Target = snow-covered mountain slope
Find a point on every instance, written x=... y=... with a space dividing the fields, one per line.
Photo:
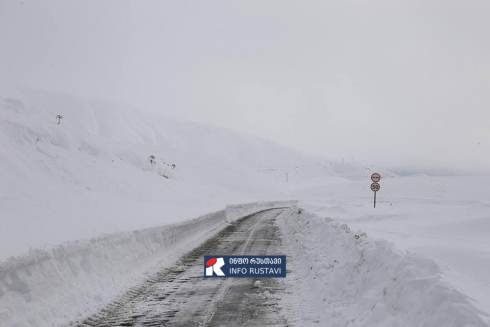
x=91 y=173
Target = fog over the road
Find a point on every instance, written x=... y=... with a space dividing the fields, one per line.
x=401 y=84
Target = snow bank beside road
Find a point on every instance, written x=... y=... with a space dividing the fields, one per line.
x=433 y=216
x=74 y=279
x=344 y=278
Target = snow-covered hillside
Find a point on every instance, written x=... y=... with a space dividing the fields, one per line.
x=91 y=173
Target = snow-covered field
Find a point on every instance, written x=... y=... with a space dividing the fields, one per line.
x=77 y=198
x=443 y=218
x=342 y=277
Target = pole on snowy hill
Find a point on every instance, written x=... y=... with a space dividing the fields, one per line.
x=375 y=186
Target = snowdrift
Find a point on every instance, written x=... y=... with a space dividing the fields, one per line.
x=74 y=279
x=343 y=278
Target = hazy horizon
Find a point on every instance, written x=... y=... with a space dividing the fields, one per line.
x=403 y=86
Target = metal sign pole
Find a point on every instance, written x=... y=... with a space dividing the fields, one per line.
x=375 y=199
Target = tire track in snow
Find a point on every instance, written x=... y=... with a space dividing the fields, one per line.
x=181 y=296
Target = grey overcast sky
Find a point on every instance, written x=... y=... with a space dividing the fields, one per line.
x=400 y=84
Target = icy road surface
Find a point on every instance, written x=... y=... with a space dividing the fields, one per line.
x=181 y=296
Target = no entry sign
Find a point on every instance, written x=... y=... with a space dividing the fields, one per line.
x=375 y=177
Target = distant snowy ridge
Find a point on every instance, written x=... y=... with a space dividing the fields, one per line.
x=125 y=125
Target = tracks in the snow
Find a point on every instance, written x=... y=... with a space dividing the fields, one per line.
x=181 y=296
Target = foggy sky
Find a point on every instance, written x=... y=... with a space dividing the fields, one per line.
x=400 y=84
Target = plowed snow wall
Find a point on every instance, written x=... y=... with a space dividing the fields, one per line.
x=45 y=288
x=341 y=277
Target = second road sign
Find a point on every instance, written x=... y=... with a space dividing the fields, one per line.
x=375 y=187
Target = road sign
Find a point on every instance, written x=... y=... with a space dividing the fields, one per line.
x=375 y=188
x=375 y=177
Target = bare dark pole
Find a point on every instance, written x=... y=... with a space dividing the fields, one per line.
x=375 y=199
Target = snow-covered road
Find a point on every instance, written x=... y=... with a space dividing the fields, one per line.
x=336 y=277
x=180 y=296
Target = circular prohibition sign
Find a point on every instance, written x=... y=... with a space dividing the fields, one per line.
x=375 y=187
